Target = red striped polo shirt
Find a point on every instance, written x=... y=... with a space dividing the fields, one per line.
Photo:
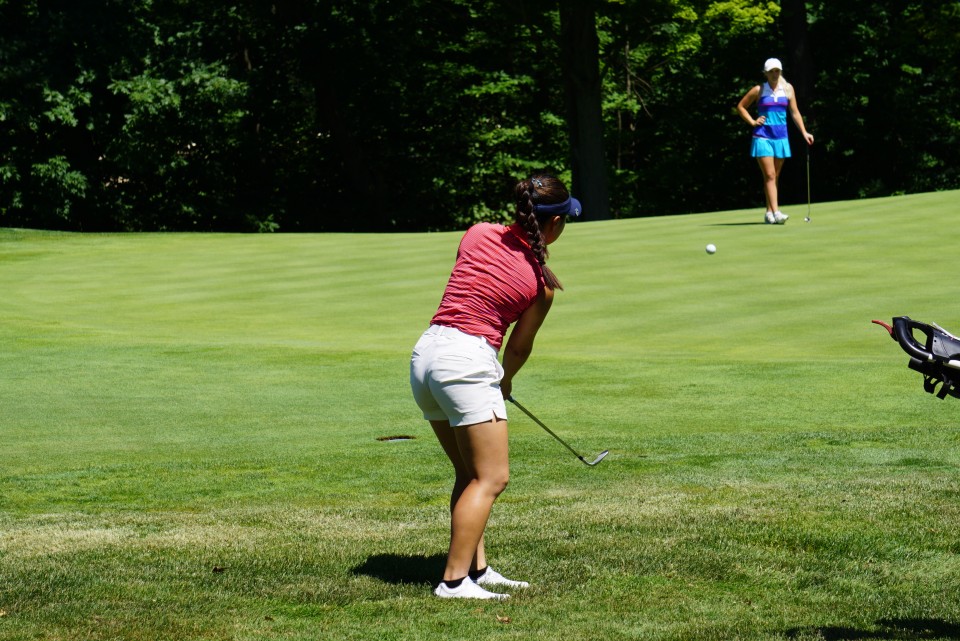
x=495 y=279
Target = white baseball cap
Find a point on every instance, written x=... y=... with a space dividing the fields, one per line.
x=772 y=63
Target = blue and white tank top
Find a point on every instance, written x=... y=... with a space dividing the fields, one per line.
x=773 y=105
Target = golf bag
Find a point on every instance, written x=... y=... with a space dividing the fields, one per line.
x=937 y=358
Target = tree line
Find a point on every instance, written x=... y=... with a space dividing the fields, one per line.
x=325 y=115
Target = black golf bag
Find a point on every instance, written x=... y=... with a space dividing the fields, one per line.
x=937 y=358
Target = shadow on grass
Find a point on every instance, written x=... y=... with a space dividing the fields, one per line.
x=394 y=568
x=900 y=629
x=734 y=224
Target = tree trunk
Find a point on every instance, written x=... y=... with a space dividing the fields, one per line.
x=799 y=57
x=800 y=74
x=580 y=56
x=319 y=60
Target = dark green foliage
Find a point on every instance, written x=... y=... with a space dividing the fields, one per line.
x=309 y=115
x=125 y=115
x=675 y=72
x=887 y=96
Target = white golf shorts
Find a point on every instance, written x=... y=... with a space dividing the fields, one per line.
x=456 y=377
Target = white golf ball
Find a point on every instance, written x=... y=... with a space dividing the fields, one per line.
x=711 y=248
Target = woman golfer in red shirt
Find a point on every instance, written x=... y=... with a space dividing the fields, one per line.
x=500 y=277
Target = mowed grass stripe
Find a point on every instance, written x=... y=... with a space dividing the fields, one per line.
x=763 y=289
x=329 y=290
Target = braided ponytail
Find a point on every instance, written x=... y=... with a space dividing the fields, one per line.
x=540 y=189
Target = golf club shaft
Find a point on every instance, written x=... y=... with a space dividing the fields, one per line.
x=808 y=183
x=549 y=431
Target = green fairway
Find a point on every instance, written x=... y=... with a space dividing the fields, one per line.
x=190 y=430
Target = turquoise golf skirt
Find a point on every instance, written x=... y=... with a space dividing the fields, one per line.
x=766 y=147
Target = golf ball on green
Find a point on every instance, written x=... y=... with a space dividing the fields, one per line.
x=711 y=248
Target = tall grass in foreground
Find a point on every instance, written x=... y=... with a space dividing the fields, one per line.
x=190 y=424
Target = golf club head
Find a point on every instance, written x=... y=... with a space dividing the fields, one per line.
x=560 y=440
x=599 y=458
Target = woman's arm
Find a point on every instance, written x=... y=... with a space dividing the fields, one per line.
x=744 y=105
x=520 y=344
x=797 y=118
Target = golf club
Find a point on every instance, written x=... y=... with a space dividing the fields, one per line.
x=807 y=219
x=550 y=432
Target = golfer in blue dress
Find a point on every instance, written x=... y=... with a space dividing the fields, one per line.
x=771 y=146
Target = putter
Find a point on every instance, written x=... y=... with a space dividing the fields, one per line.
x=550 y=432
x=807 y=219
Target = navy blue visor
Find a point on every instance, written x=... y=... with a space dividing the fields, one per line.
x=569 y=207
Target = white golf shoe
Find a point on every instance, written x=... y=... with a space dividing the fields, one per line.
x=491 y=577
x=769 y=218
x=467 y=590
x=780 y=217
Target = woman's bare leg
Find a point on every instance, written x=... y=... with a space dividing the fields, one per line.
x=479 y=454
x=771 y=173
